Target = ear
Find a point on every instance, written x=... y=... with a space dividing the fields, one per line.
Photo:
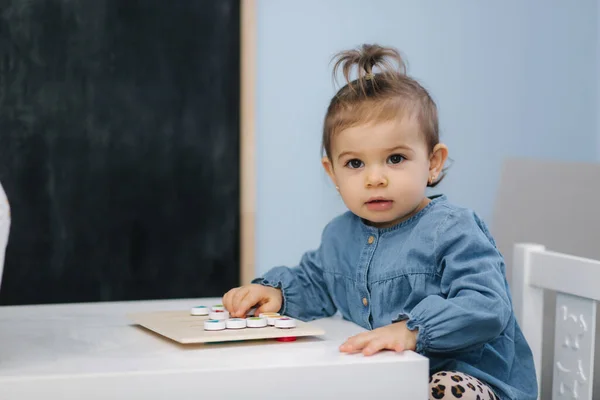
x=329 y=169
x=437 y=160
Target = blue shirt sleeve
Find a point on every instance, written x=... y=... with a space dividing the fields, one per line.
x=474 y=305
x=305 y=293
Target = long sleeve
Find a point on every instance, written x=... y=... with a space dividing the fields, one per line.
x=305 y=293
x=474 y=305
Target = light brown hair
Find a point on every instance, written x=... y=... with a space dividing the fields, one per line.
x=378 y=96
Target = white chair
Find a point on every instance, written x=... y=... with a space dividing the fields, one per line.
x=4 y=228
x=576 y=283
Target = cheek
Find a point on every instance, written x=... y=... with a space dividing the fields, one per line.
x=346 y=176
x=350 y=185
x=412 y=180
x=419 y=171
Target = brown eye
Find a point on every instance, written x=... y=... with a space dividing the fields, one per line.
x=354 y=163
x=395 y=159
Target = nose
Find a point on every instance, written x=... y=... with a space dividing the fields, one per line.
x=376 y=178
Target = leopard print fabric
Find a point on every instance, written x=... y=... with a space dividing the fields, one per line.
x=456 y=385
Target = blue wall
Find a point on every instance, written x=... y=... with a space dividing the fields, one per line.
x=511 y=78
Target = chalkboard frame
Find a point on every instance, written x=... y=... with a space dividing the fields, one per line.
x=247 y=149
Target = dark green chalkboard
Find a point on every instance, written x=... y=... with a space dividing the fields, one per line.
x=119 y=148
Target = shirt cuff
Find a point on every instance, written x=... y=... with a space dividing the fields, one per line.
x=412 y=324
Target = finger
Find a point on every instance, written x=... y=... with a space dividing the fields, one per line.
x=246 y=303
x=347 y=347
x=375 y=345
x=236 y=301
x=227 y=299
x=356 y=343
x=260 y=310
x=237 y=296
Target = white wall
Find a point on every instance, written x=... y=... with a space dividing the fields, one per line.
x=511 y=78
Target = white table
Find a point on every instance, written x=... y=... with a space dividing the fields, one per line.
x=92 y=351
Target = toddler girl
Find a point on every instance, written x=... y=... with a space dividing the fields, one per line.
x=417 y=272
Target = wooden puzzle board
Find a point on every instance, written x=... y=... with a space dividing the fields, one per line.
x=184 y=328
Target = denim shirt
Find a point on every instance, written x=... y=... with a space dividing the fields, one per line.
x=440 y=270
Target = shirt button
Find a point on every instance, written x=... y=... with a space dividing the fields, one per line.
x=371 y=239
x=365 y=302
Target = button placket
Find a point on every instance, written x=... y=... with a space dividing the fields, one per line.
x=369 y=251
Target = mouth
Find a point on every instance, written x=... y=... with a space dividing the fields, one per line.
x=379 y=204
x=378 y=199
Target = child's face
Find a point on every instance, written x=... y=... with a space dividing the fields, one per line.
x=382 y=170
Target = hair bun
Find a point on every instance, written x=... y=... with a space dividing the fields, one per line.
x=366 y=59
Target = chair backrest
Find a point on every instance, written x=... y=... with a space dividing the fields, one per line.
x=576 y=283
x=4 y=228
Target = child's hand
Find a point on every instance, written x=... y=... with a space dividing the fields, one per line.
x=241 y=299
x=395 y=337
